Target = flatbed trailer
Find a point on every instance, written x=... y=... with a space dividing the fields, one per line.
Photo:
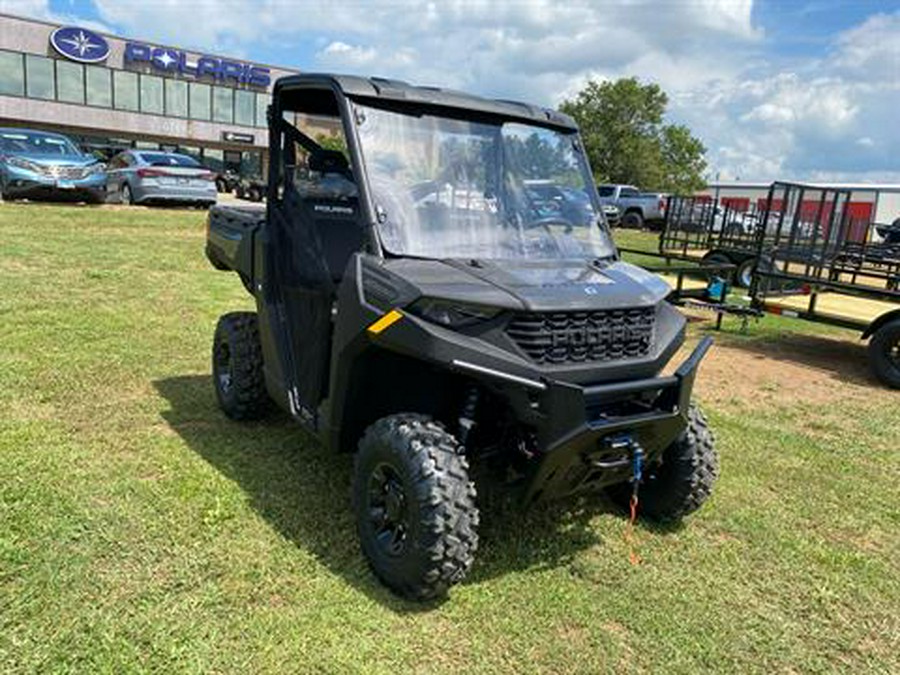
x=819 y=269
x=702 y=285
x=699 y=228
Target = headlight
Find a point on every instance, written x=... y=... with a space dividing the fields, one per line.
x=91 y=169
x=22 y=163
x=451 y=314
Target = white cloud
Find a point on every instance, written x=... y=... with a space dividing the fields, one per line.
x=40 y=9
x=759 y=117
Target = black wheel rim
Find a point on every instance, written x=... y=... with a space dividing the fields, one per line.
x=224 y=372
x=388 y=510
x=893 y=353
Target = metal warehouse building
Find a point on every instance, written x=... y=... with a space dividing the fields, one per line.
x=109 y=93
x=870 y=202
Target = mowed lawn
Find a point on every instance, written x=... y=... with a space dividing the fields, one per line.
x=141 y=531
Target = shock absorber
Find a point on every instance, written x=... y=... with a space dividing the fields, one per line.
x=467 y=414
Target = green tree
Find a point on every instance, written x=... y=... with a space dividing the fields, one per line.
x=627 y=140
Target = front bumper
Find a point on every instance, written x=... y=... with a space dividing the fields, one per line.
x=584 y=435
x=590 y=432
x=23 y=183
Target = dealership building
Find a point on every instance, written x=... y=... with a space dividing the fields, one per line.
x=109 y=93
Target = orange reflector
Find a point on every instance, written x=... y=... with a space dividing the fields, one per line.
x=384 y=322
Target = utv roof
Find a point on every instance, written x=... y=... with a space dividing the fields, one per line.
x=397 y=91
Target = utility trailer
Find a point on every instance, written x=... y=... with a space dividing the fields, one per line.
x=823 y=266
x=698 y=228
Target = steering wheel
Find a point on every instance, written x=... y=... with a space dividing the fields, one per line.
x=547 y=221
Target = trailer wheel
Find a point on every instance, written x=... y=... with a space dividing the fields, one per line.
x=237 y=367
x=884 y=354
x=743 y=275
x=633 y=220
x=719 y=258
x=684 y=479
x=415 y=506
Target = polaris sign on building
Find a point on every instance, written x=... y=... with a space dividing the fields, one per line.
x=175 y=61
x=79 y=44
x=108 y=93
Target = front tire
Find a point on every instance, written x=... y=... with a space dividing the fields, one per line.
x=415 y=506
x=237 y=367
x=633 y=220
x=884 y=354
x=684 y=480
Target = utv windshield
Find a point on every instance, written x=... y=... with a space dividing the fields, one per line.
x=451 y=188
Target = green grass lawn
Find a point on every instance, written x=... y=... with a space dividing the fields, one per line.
x=140 y=530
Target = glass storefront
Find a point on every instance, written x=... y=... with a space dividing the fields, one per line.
x=69 y=82
x=125 y=90
x=176 y=98
x=98 y=82
x=12 y=74
x=199 y=101
x=94 y=85
x=223 y=105
x=39 y=76
x=151 y=94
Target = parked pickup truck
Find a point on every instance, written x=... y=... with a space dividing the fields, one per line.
x=637 y=208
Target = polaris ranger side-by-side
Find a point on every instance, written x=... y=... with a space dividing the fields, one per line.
x=421 y=305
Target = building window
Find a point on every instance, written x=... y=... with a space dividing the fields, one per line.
x=69 y=82
x=214 y=159
x=251 y=164
x=223 y=105
x=244 y=104
x=176 y=98
x=262 y=104
x=151 y=94
x=125 y=85
x=39 y=75
x=199 y=98
x=12 y=74
x=99 y=89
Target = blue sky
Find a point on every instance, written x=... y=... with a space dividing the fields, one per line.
x=790 y=89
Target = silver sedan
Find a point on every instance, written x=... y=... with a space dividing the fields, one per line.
x=148 y=176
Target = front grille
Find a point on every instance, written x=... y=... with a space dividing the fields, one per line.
x=576 y=337
x=70 y=172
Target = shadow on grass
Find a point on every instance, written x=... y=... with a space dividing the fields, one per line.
x=304 y=493
x=845 y=360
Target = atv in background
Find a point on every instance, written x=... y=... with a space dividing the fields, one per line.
x=227 y=180
x=251 y=189
x=430 y=302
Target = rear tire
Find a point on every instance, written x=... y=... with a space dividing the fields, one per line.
x=633 y=220
x=884 y=354
x=684 y=480
x=415 y=506
x=127 y=195
x=237 y=367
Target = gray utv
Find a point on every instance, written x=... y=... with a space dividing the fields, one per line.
x=445 y=293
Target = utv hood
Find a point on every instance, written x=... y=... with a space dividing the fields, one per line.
x=567 y=285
